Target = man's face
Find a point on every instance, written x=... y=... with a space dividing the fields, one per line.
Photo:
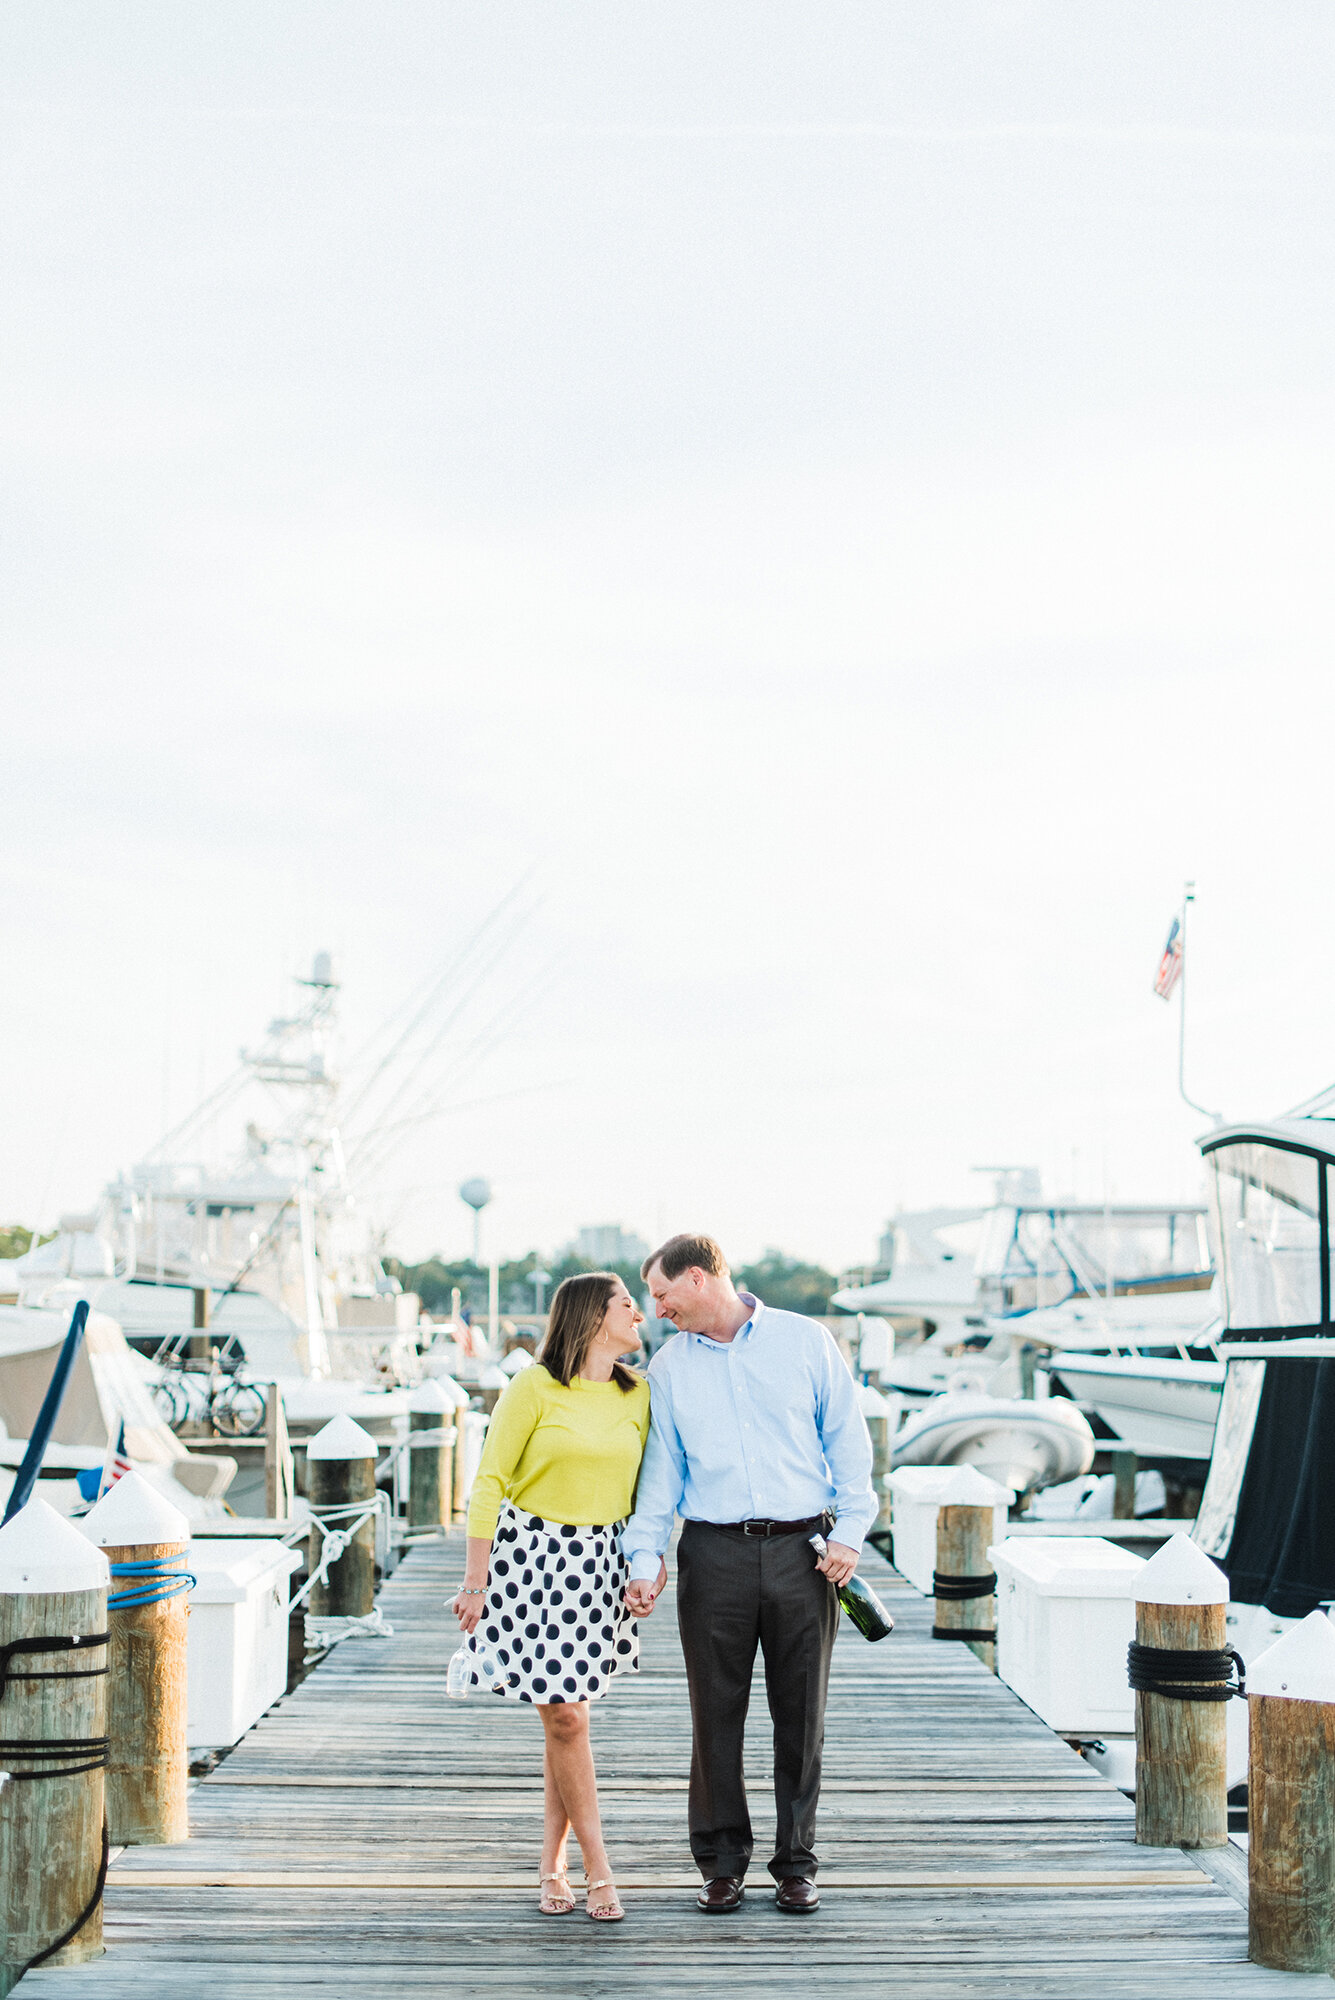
x=678 y=1299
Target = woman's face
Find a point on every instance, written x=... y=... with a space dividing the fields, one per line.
x=622 y=1322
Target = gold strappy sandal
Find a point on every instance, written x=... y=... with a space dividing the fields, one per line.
x=606 y=1913
x=552 y=1904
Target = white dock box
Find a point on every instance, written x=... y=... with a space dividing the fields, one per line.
x=236 y=1655
x=1066 y=1614
x=916 y=1492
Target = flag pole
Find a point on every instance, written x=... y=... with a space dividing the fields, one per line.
x=1188 y=896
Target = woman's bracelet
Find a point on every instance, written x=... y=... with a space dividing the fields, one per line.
x=467 y=1590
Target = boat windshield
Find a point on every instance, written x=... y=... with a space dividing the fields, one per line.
x=1267 y=1214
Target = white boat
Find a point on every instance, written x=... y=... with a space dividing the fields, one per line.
x=109 y=1384
x=1017 y=1442
x=981 y=1286
x=274 y=1237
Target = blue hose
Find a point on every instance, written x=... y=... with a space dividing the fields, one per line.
x=153 y=1581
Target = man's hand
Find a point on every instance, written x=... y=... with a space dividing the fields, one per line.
x=640 y=1596
x=838 y=1563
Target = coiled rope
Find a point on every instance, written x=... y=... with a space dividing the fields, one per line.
x=353 y=1516
x=1165 y=1671
x=153 y=1581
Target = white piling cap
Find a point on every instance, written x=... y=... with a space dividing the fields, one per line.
x=455 y=1390
x=430 y=1399
x=493 y=1378
x=966 y=1486
x=40 y=1551
x=872 y=1403
x=1301 y=1665
x=342 y=1438
x=1181 y=1573
x=132 y=1514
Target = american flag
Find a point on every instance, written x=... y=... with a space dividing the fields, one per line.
x=1170 y=965
x=117 y=1463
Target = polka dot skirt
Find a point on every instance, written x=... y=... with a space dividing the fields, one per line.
x=554 y=1617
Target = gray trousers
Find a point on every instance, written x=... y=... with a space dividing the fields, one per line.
x=735 y=1592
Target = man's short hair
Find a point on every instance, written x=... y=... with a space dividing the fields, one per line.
x=681 y=1253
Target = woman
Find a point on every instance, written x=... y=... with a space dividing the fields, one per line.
x=545 y=1579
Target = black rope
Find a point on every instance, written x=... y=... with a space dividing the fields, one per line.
x=951 y=1589
x=65 y=1644
x=959 y=1632
x=1162 y=1670
x=68 y=1937
x=54 y=1753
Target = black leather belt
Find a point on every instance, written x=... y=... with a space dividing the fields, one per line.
x=817 y=1524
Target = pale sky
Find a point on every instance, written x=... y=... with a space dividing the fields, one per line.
x=846 y=492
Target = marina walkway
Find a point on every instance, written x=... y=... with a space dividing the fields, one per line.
x=370 y=1838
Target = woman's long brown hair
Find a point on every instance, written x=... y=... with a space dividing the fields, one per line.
x=577 y=1314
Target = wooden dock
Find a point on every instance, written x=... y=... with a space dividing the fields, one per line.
x=371 y=1838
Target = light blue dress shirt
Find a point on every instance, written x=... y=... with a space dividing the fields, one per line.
x=763 y=1427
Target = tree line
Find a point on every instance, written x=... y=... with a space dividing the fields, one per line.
x=778 y=1279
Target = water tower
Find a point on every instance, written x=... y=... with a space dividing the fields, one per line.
x=476 y=1193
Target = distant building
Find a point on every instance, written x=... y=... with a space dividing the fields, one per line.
x=608 y=1243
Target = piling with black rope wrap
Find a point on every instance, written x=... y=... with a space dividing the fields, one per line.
x=430 y=1456
x=1182 y=1671
x=965 y=1583
x=145 y=1539
x=340 y=1486
x=53 y=1705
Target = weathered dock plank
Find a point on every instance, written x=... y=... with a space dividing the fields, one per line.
x=370 y=1837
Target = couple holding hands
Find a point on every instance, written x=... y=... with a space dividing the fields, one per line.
x=748 y=1427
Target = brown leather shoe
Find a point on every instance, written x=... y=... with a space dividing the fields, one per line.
x=797 y=1896
x=724 y=1893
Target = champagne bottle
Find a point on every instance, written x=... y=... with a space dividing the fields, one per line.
x=859 y=1601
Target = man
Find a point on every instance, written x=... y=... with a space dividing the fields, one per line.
x=758 y=1442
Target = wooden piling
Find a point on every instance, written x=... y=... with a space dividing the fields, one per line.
x=431 y=1460
x=200 y=1344
x=963 y=1536
x=53 y=1586
x=279 y=1476
x=879 y=1427
x=1181 y=1745
x=1124 y=1485
x=878 y=1415
x=1291 y=1801
x=148 y=1766
x=340 y=1482
x=461 y=1407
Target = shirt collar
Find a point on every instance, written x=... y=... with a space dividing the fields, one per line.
x=744 y=1332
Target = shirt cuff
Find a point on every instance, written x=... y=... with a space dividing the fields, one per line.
x=644 y=1567
x=849 y=1533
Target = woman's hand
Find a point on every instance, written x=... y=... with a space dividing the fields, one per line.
x=469 y=1600
x=467 y=1607
x=640 y=1596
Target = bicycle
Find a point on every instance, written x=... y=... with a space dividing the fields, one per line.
x=230 y=1406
